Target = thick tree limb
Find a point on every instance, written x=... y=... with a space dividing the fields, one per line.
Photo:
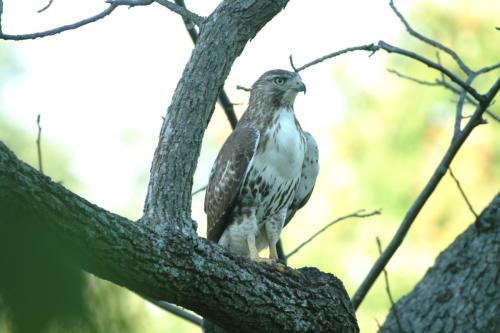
x=460 y=292
x=232 y=291
x=168 y=202
x=223 y=98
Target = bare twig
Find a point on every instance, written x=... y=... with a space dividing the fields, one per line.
x=487 y=69
x=429 y=41
x=175 y=310
x=46 y=6
x=360 y=213
x=190 y=26
x=460 y=107
x=201 y=189
x=228 y=108
x=181 y=10
x=39 y=145
x=368 y=47
x=58 y=30
x=413 y=79
x=388 y=289
x=291 y=63
x=467 y=201
x=422 y=198
x=393 y=49
x=492 y=115
x=243 y=88
x=438 y=83
x=1 y=12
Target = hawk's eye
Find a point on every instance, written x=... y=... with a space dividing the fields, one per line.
x=279 y=81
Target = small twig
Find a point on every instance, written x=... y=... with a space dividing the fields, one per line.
x=358 y=213
x=45 y=7
x=429 y=41
x=467 y=201
x=1 y=12
x=243 y=88
x=378 y=324
x=190 y=26
x=438 y=83
x=176 y=311
x=438 y=58
x=39 y=145
x=488 y=69
x=460 y=107
x=58 y=30
x=181 y=10
x=368 y=47
x=492 y=115
x=201 y=189
x=388 y=289
x=410 y=78
x=393 y=49
x=291 y=63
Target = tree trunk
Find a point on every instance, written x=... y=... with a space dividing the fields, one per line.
x=234 y=292
x=461 y=292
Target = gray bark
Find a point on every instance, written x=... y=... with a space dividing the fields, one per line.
x=461 y=292
x=235 y=293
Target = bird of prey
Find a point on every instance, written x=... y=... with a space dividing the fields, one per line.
x=264 y=172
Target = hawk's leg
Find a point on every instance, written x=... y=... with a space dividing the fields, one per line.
x=252 y=247
x=274 y=225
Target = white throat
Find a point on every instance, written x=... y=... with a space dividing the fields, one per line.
x=284 y=153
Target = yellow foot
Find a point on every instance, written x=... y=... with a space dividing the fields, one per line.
x=265 y=260
x=273 y=262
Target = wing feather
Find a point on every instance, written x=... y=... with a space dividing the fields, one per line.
x=228 y=173
x=310 y=169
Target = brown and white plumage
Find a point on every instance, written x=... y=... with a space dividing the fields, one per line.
x=265 y=171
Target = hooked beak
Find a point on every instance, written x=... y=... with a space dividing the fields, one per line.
x=302 y=87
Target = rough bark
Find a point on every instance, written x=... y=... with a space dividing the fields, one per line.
x=223 y=35
x=234 y=292
x=461 y=292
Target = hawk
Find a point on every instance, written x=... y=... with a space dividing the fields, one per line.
x=264 y=172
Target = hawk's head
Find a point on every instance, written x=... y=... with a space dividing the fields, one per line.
x=277 y=87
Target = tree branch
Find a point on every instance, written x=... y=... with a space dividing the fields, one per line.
x=393 y=49
x=360 y=213
x=429 y=188
x=39 y=144
x=462 y=192
x=429 y=41
x=182 y=11
x=236 y=293
x=58 y=30
x=460 y=292
x=45 y=7
x=176 y=311
x=388 y=291
x=367 y=47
